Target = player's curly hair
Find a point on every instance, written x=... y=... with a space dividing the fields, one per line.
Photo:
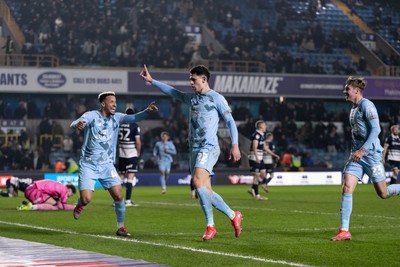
x=357 y=82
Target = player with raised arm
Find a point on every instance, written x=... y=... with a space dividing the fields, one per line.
x=206 y=108
x=99 y=152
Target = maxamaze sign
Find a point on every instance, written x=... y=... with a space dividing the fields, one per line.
x=269 y=85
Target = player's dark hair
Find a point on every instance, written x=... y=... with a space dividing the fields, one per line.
x=72 y=187
x=200 y=70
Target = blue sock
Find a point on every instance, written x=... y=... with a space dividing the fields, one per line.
x=345 y=211
x=220 y=205
x=128 y=186
x=162 y=181
x=393 y=190
x=120 y=211
x=205 y=202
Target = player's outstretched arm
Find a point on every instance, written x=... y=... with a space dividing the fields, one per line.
x=151 y=108
x=140 y=115
x=146 y=75
x=165 y=88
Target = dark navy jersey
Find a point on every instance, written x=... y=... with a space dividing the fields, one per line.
x=19 y=183
x=268 y=158
x=260 y=139
x=127 y=140
x=393 y=150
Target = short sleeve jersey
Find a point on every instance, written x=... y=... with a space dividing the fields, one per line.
x=260 y=139
x=127 y=140
x=100 y=136
x=393 y=148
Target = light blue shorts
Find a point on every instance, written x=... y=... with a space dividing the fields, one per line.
x=204 y=158
x=370 y=165
x=164 y=166
x=90 y=172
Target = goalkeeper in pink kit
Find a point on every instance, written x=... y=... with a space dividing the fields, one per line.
x=48 y=195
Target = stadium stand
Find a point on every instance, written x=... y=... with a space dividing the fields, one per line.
x=277 y=36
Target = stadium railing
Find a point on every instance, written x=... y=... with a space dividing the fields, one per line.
x=34 y=60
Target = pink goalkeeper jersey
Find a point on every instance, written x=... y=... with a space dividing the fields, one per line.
x=54 y=189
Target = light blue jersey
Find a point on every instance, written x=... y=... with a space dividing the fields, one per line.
x=205 y=112
x=100 y=136
x=99 y=147
x=163 y=152
x=365 y=127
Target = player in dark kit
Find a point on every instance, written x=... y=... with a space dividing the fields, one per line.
x=14 y=184
x=257 y=166
x=129 y=146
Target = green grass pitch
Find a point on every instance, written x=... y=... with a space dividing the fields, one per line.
x=292 y=228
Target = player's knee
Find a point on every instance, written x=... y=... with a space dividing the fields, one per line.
x=383 y=195
x=117 y=197
x=197 y=182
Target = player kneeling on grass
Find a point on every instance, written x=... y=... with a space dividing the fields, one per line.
x=48 y=195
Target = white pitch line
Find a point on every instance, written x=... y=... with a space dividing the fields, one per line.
x=132 y=240
x=276 y=210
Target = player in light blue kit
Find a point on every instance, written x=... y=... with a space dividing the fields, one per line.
x=366 y=153
x=206 y=107
x=97 y=159
x=164 y=150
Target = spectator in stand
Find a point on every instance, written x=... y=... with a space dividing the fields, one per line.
x=296 y=162
x=59 y=166
x=362 y=64
x=9 y=50
x=333 y=140
x=71 y=166
x=306 y=160
x=68 y=145
x=286 y=160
